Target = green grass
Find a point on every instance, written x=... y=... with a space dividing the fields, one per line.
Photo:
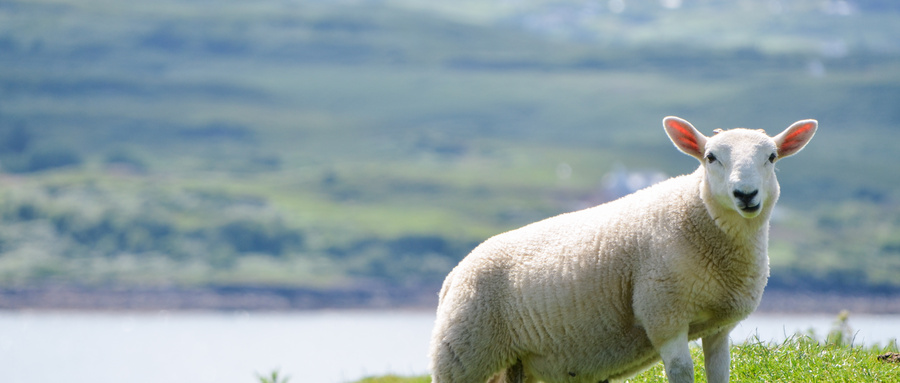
x=800 y=358
x=396 y=379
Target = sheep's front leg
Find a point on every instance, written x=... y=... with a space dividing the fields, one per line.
x=676 y=356
x=717 y=356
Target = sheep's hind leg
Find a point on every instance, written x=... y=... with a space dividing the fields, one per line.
x=516 y=373
x=512 y=374
x=448 y=366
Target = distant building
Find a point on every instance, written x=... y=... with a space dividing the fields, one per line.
x=620 y=182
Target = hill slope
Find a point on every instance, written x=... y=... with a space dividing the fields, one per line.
x=329 y=144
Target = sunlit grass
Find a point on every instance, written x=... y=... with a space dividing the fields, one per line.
x=800 y=358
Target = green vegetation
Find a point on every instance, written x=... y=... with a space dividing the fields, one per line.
x=326 y=144
x=799 y=359
x=396 y=379
x=273 y=377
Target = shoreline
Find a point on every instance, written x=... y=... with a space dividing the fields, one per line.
x=211 y=298
x=812 y=302
x=281 y=298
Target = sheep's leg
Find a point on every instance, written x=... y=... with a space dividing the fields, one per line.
x=516 y=373
x=450 y=366
x=519 y=374
x=512 y=374
x=676 y=356
x=717 y=356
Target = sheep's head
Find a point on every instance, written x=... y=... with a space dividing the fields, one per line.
x=740 y=163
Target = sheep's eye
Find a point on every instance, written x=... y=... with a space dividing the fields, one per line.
x=772 y=157
x=711 y=157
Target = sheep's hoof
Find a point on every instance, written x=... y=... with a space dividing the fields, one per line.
x=891 y=357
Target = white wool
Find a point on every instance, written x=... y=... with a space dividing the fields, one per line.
x=603 y=293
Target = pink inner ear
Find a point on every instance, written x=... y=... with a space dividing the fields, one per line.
x=792 y=140
x=689 y=143
x=801 y=130
x=685 y=136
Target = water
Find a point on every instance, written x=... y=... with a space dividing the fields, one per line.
x=323 y=347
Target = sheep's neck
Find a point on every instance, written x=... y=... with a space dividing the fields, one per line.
x=740 y=244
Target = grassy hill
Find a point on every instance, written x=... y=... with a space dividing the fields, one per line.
x=326 y=144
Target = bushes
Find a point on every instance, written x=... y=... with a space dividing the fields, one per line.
x=109 y=234
x=413 y=259
x=48 y=159
x=18 y=153
x=93 y=223
x=106 y=228
x=250 y=236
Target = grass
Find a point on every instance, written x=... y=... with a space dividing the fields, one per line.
x=396 y=379
x=273 y=377
x=800 y=358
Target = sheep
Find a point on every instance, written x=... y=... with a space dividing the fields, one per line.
x=603 y=293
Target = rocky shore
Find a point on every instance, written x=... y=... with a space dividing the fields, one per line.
x=217 y=298
x=277 y=298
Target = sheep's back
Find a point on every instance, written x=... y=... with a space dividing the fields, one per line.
x=574 y=273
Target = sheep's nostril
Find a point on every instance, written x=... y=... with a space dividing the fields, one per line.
x=745 y=197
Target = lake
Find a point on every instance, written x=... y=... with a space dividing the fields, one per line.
x=317 y=347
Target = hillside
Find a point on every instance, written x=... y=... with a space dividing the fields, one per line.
x=351 y=144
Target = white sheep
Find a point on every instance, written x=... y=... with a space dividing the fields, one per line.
x=602 y=293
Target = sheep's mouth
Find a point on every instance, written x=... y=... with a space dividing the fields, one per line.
x=750 y=208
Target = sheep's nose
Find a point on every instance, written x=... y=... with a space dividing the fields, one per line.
x=746 y=198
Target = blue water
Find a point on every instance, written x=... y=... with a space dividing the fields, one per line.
x=323 y=347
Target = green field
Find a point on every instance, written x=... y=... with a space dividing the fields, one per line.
x=321 y=144
x=800 y=358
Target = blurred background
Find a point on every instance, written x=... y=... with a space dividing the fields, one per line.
x=291 y=155
x=303 y=154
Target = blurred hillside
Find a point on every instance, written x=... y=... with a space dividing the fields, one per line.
x=343 y=144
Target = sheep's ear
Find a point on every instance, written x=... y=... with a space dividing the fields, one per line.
x=685 y=136
x=795 y=137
